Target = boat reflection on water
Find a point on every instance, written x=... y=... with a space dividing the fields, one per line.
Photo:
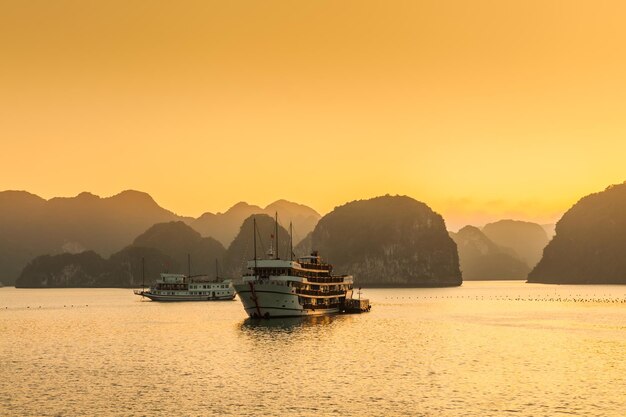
x=287 y=324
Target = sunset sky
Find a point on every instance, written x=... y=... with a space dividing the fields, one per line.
x=481 y=109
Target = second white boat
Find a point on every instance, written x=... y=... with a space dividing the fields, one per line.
x=179 y=287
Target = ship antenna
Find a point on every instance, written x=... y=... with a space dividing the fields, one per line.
x=276 y=231
x=254 y=233
x=143 y=275
x=217 y=271
x=189 y=266
x=291 y=240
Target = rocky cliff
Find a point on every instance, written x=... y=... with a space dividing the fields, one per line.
x=481 y=259
x=88 y=269
x=590 y=242
x=388 y=241
x=305 y=247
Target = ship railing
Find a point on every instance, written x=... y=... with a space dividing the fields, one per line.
x=318 y=292
x=321 y=306
x=326 y=279
x=309 y=265
x=309 y=278
x=207 y=281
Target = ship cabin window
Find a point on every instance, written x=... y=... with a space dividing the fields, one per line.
x=277 y=271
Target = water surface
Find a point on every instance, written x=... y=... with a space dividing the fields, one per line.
x=486 y=348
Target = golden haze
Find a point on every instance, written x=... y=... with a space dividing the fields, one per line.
x=482 y=109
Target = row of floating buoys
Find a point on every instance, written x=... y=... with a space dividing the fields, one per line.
x=548 y=298
x=64 y=306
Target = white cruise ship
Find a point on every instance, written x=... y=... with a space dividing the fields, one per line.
x=286 y=288
x=179 y=287
x=283 y=288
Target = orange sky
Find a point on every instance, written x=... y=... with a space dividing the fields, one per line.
x=481 y=109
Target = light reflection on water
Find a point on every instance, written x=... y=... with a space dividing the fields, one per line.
x=482 y=349
x=285 y=325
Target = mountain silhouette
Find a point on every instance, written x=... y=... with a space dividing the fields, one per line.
x=66 y=270
x=31 y=226
x=590 y=242
x=241 y=250
x=525 y=238
x=481 y=259
x=225 y=226
x=388 y=241
x=88 y=269
x=305 y=247
x=164 y=247
x=178 y=240
x=550 y=229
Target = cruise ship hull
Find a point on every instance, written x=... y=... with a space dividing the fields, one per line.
x=266 y=300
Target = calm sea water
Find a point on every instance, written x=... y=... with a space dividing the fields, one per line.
x=486 y=348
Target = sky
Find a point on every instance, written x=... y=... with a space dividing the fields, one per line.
x=481 y=109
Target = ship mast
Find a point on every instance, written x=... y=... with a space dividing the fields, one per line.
x=276 y=233
x=143 y=275
x=254 y=235
x=291 y=241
